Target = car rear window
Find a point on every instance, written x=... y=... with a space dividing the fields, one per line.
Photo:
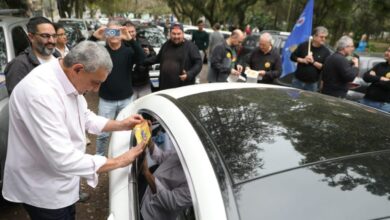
x=353 y=188
x=261 y=131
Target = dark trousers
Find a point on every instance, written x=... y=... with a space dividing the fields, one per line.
x=36 y=213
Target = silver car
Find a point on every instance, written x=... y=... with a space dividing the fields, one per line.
x=13 y=40
x=253 y=151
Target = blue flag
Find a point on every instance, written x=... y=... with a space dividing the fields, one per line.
x=300 y=33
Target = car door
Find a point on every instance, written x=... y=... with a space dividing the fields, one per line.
x=140 y=191
x=199 y=173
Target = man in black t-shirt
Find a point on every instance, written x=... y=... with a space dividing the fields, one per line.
x=116 y=92
x=266 y=60
x=338 y=70
x=201 y=39
x=310 y=63
x=378 y=93
x=179 y=60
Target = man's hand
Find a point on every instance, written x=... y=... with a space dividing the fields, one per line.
x=384 y=79
x=124 y=159
x=183 y=76
x=99 y=33
x=125 y=124
x=309 y=58
x=125 y=35
x=239 y=68
x=262 y=73
x=355 y=61
x=146 y=50
x=235 y=72
x=131 y=121
x=129 y=156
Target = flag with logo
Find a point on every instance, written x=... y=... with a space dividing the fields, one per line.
x=300 y=33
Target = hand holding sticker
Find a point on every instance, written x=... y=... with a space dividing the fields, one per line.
x=142 y=132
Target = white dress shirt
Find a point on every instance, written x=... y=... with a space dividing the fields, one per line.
x=46 y=142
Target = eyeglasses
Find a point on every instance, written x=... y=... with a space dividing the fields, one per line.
x=47 y=36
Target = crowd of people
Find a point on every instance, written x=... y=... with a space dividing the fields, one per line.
x=49 y=114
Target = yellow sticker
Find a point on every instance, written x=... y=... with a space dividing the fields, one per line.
x=267 y=65
x=229 y=55
x=142 y=132
x=388 y=75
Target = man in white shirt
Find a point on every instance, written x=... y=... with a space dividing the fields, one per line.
x=48 y=116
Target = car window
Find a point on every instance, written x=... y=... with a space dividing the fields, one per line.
x=189 y=32
x=172 y=198
x=20 y=40
x=155 y=37
x=252 y=129
x=3 y=51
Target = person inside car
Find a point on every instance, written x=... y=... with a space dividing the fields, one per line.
x=167 y=193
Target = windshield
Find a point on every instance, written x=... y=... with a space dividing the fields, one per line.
x=79 y=24
x=3 y=51
x=155 y=37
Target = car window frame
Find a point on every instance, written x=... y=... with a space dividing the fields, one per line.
x=133 y=178
x=17 y=39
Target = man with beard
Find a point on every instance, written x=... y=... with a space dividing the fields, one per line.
x=179 y=59
x=42 y=35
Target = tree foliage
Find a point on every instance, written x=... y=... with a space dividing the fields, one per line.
x=339 y=16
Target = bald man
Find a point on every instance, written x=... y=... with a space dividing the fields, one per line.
x=224 y=58
x=266 y=60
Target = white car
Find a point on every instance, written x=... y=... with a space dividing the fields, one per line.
x=256 y=151
x=188 y=30
x=76 y=23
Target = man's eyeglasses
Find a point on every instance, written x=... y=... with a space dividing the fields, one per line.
x=47 y=36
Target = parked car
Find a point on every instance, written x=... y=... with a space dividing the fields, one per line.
x=255 y=151
x=75 y=25
x=189 y=30
x=13 y=40
x=156 y=38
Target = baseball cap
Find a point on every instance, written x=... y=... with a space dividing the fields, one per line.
x=176 y=25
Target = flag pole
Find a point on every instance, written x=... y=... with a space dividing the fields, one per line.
x=309 y=46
